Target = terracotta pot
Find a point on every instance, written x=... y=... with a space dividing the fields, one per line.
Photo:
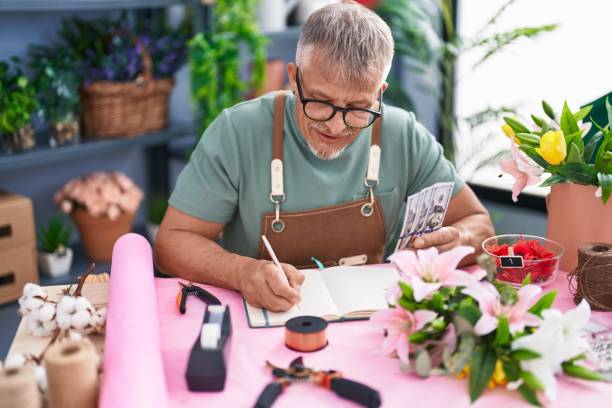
x=98 y=234
x=576 y=217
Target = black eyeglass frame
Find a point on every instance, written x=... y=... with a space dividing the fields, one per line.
x=375 y=114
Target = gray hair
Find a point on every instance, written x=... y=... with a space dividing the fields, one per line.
x=351 y=41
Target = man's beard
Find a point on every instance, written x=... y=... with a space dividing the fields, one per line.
x=327 y=153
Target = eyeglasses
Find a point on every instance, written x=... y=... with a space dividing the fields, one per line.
x=322 y=111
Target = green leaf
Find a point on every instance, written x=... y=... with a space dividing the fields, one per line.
x=437 y=301
x=582 y=113
x=528 y=139
x=407 y=304
x=483 y=364
x=422 y=364
x=511 y=369
x=549 y=110
x=471 y=313
x=577 y=371
x=599 y=156
x=524 y=354
x=531 y=152
x=605 y=181
x=527 y=279
x=537 y=120
x=502 y=334
x=407 y=290
x=545 y=302
x=517 y=126
x=577 y=139
x=418 y=337
x=531 y=381
x=554 y=179
x=568 y=123
x=529 y=395
x=580 y=173
x=573 y=154
x=590 y=147
x=609 y=109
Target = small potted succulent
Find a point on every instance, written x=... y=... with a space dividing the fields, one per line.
x=158 y=203
x=55 y=77
x=17 y=103
x=54 y=254
x=102 y=206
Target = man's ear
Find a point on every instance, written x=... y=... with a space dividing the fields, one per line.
x=291 y=72
x=385 y=85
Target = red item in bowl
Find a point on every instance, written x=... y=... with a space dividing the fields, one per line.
x=537 y=261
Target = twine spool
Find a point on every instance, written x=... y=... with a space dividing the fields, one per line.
x=305 y=333
x=72 y=373
x=19 y=388
x=593 y=276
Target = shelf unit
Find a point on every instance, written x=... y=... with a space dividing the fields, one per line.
x=53 y=5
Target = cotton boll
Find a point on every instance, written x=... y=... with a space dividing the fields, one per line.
x=47 y=312
x=14 y=360
x=81 y=303
x=41 y=376
x=50 y=326
x=32 y=303
x=66 y=305
x=81 y=319
x=64 y=320
x=75 y=335
x=38 y=291
x=40 y=331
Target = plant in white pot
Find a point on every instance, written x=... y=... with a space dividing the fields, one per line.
x=54 y=254
x=158 y=203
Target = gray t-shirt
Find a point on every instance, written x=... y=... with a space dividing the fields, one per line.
x=227 y=179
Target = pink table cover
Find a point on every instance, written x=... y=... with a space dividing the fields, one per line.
x=350 y=350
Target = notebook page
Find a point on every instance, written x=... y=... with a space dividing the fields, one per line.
x=316 y=301
x=359 y=288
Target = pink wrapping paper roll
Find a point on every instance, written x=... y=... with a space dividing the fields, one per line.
x=133 y=368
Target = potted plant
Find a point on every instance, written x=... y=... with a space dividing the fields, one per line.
x=158 y=204
x=126 y=76
x=54 y=253
x=579 y=165
x=17 y=103
x=102 y=206
x=56 y=80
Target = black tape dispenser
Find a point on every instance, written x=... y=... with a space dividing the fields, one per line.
x=207 y=367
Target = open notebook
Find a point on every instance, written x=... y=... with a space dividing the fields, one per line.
x=338 y=293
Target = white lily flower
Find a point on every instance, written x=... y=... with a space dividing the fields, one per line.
x=556 y=340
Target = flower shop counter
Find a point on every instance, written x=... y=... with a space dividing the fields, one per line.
x=351 y=350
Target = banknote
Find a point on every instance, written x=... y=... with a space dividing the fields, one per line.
x=425 y=212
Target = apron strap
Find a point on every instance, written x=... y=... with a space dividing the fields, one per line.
x=277 y=194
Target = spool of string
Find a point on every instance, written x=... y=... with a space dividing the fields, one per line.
x=592 y=279
x=19 y=388
x=72 y=374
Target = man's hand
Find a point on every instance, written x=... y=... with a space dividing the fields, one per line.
x=444 y=239
x=262 y=286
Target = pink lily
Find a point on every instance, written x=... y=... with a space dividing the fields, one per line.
x=400 y=324
x=430 y=271
x=492 y=309
x=524 y=170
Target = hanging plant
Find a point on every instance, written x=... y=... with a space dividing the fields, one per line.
x=214 y=60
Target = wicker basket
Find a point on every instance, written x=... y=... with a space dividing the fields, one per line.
x=116 y=109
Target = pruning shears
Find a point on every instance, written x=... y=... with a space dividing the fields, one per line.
x=330 y=379
x=200 y=293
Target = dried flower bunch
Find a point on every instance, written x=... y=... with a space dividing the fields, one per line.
x=100 y=194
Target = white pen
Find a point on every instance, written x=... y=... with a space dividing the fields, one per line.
x=276 y=262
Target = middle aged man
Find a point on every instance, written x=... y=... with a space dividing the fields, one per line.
x=292 y=167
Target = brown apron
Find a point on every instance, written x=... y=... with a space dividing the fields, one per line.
x=342 y=234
